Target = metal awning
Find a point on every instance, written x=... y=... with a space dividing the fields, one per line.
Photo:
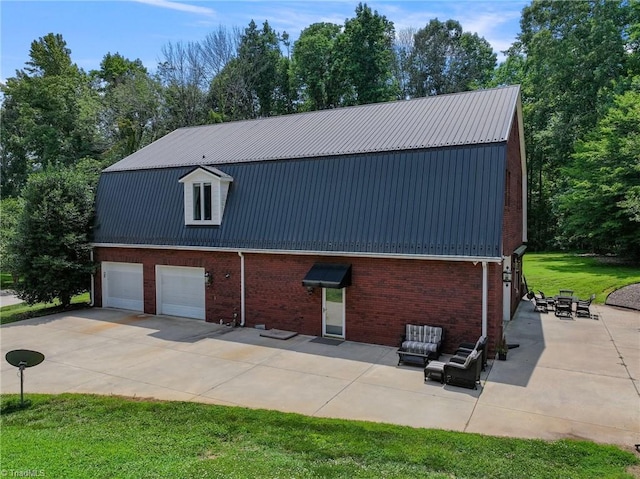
x=519 y=251
x=328 y=275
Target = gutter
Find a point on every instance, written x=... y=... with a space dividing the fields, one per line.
x=242 y=289
x=485 y=289
x=93 y=283
x=471 y=259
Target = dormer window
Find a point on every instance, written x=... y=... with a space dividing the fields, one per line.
x=202 y=201
x=205 y=195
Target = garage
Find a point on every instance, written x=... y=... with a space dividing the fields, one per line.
x=122 y=286
x=180 y=291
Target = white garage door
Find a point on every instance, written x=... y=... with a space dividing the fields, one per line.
x=122 y=286
x=180 y=291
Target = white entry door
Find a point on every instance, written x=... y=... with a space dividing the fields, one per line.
x=333 y=312
x=122 y=286
x=180 y=291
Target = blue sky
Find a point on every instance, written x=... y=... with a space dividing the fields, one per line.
x=139 y=28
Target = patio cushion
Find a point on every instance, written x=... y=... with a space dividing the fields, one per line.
x=472 y=357
x=433 y=334
x=419 y=347
x=437 y=366
x=423 y=334
x=414 y=333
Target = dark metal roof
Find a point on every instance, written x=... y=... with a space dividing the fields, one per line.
x=468 y=118
x=328 y=275
x=431 y=202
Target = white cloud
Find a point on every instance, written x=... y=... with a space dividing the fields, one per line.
x=182 y=7
x=497 y=21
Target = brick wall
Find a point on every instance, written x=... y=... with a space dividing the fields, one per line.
x=513 y=214
x=512 y=221
x=385 y=294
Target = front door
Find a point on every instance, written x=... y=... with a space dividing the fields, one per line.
x=333 y=312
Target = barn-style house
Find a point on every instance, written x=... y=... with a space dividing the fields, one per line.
x=346 y=223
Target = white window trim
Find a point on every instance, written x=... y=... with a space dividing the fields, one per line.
x=204 y=176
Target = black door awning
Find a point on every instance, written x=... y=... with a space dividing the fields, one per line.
x=328 y=275
x=519 y=251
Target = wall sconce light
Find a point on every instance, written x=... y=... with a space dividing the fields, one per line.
x=309 y=290
x=227 y=275
x=208 y=278
x=506 y=276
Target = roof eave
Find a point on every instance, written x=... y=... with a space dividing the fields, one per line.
x=355 y=254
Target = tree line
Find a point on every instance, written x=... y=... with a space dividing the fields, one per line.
x=578 y=64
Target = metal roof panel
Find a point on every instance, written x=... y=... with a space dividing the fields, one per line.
x=481 y=116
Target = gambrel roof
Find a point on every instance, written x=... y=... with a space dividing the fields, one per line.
x=423 y=177
x=468 y=118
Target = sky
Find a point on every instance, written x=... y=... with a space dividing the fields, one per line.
x=137 y=29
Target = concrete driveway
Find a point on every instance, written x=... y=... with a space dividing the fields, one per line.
x=568 y=378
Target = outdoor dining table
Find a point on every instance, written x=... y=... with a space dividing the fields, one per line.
x=574 y=300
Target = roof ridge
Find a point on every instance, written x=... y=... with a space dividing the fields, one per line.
x=347 y=107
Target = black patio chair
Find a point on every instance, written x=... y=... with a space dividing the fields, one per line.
x=465 y=374
x=582 y=308
x=564 y=306
x=551 y=301
x=540 y=303
x=465 y=349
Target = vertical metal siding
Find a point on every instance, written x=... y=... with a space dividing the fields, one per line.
x=444 y=201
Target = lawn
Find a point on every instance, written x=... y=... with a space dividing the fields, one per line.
x=549 y=272
x=18 y=312
x=85 y=436
x=6 y=281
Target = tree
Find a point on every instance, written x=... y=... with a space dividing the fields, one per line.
x=219 y=48
x=601 y=208
x=259 y=57
x=229 y=95
x=50 y=57
x=444 y=59
x=49 y=115
x=509 y=72
x=51 y=244
x=403 y=50
x=11 y=209
x=131 y=114
x=316 y=67
x=115 y=69
x=366 y=54
x=574 y=55
x=183 y=73
x=286 y=93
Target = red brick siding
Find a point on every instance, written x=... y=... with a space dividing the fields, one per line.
x=513 y=213
x=385 y=294
x=275 y=297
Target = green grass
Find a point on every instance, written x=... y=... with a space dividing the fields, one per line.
x=18 y=312
x=6 y=281
x=550 y=272
x=85 y=436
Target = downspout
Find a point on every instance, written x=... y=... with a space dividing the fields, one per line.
x=485 y=288
x=242 y=312
x=93 y=282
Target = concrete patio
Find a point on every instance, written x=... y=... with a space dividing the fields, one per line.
x=568 y=378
